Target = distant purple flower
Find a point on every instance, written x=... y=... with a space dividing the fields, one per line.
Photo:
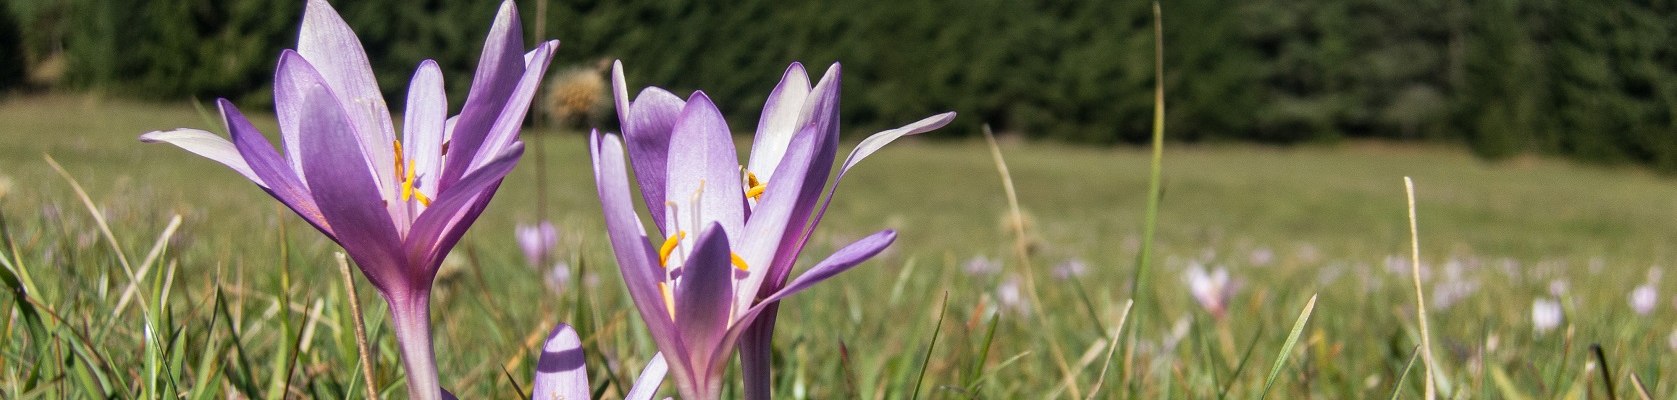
x=1260 y=256
x=1211 y=290
x=1447 y=292
x=731 y=232
x=1070 y=269
x=1397 y=265
x=538 y=242
x=558 y=277
x=1644 y=298
x=396 y=210
x=1558 y=287
x=561 y=371
x=982 y=266
x=1309 y=254
x=1009 y=296
x=1545 y=315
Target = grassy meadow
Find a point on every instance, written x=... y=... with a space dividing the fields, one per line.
x=244 y=300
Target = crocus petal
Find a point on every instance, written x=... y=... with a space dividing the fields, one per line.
x=505 y=130
x=647 y=128
x=560 y=372
x=423 y=125
x=842 y=260
x=346 y=191
x=849 y=256
x=704 y=300
x=207 y=145
x=822 y=110
x=651 y=376
x=864 y=149
x=328 y=43
x=782 y=117
x=441 y=225
x=620 y=92
x=282 y=183
x=702 y=157
x=498 y=71
x=636 y=258
x=771 y=221
x=289 y=108
x=878 y=140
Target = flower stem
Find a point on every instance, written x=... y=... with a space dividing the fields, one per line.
x=411 y=314
x=756 y=349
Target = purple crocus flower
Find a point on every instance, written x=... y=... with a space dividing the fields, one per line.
x=1545 y=315
x=397 y=210
x=731 y=232
x=538 y=242
x=561 y=373
x=982 y=266
x=1212 y=290
x=1071 y=269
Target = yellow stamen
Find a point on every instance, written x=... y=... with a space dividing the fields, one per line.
x=669 y=247
x=425 y=201
x=407 y=183
x=669 y=299
x=398 y=145
x=754 y=188
x=739 y=262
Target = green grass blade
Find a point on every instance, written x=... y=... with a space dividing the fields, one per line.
x=1287 y=348
x=983 y=355
x=241 y=377
x=1245 y=359
x=1139 y=291
x=902 y=280
x=1606 y=371
x=927 y=363
x=1397 y=387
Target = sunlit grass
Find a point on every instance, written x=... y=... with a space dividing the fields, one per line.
x=1288 y=222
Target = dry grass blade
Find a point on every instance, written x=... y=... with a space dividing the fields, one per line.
x=360 y=328
x=1420 y=296
x=98 y=216
x=145 y=266
x=1022 y=247
x=1641 y=390
x=1116 y=337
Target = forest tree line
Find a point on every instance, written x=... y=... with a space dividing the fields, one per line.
x=1595 y=80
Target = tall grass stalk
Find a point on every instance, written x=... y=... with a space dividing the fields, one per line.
x=1022 y=247
x=1420 y=295
x=1139 y=291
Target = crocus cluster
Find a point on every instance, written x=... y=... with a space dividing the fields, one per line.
x=397 y=206
x=730 y=232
